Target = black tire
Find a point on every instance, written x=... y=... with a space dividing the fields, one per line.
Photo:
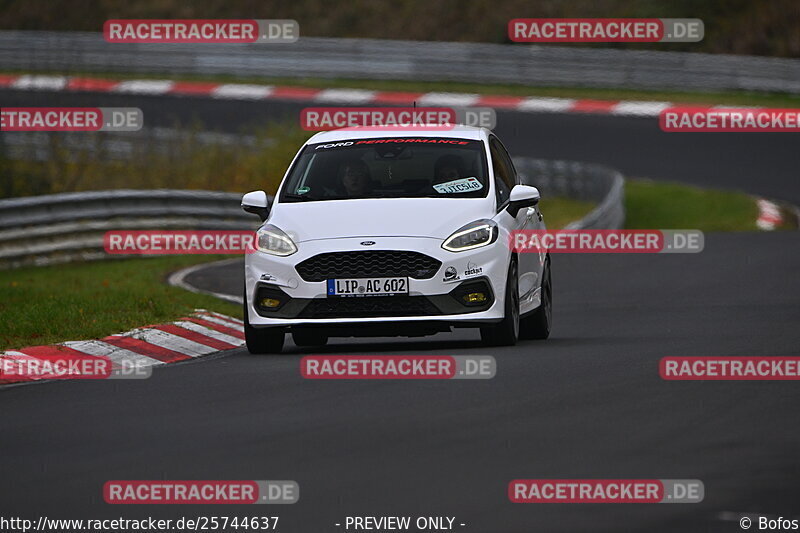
x=537 y=324
x=506 y=332
x=309 y=337
x=261 y=340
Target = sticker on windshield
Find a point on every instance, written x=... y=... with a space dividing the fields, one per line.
x=459 y=185
x=303 y=190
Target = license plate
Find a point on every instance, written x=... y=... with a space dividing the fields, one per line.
x=367 y=286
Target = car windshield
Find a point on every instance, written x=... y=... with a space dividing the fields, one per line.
x=401 y=167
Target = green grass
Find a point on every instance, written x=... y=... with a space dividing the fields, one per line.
x=747 y=98
x=665 y=205
x=559 y=211
x=659 y=205
x=43 y=305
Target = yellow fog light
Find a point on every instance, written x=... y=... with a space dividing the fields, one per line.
x=475 y=297
x=269 y=302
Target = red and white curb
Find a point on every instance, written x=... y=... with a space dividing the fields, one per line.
x=769 y=215
x=239 y=91
x=202 y=333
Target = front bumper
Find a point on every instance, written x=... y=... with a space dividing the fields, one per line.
x=436 y=299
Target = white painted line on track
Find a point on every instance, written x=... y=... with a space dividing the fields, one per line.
x=178 y=279
x=345 y=96
x=144 y=86
x=40 y=83
x=240 y=91
x=555 y=105
x=448 y=99
x=640 y=109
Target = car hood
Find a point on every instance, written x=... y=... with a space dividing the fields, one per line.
x=405 y=217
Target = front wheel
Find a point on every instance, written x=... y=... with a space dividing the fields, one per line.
x=537 y=324
x=506 y=332
x=261 y=340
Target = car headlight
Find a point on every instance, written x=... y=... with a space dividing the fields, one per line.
x=473 y=235
x=272 y=240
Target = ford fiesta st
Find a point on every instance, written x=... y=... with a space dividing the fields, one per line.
x=373 y=233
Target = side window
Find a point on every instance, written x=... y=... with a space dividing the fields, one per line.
x=507 y=157
x=503 y=171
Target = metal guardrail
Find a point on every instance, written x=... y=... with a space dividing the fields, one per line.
x=581 y=181
x=534 y=65
x=57 y=228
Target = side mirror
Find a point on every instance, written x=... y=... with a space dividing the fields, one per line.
x=522 y=196
x=256 y=202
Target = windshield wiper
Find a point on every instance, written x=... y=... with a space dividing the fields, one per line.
x=299 y=197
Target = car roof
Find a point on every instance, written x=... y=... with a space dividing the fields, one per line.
x=457 y=132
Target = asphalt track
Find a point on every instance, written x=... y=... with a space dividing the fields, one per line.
x=587 y=403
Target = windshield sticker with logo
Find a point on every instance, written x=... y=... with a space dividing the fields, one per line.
x=362 y=143
x=459 y=185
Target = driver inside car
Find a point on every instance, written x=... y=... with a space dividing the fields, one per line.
x=355 y=178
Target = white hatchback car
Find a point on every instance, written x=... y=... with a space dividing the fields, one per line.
x=376 y=233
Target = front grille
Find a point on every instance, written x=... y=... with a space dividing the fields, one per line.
x=367 y=264
x=369 y=306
